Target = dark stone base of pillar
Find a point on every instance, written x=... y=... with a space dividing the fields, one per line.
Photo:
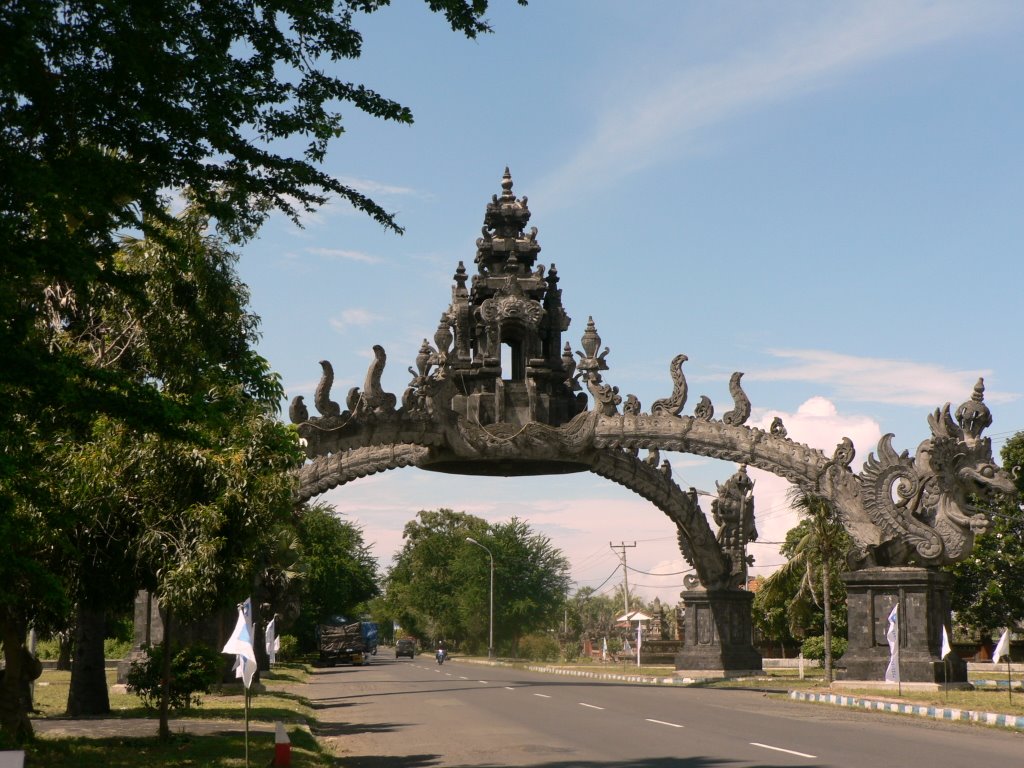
x=717 y=634
x=923 y=597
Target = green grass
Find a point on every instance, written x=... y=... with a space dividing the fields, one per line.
x=981 y=700
x=180 y=751
x=183 y=749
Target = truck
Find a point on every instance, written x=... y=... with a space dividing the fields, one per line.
x=351 y=643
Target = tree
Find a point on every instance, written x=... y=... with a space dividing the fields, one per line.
x=770 y=612
x=531 y=581
x=816 y=552
x=141 y=507
x=339 y=570
x=438 y=585
x=423 y=585
x=104 y=109
x=988 y=587
x=107 y=106
x=593 y=615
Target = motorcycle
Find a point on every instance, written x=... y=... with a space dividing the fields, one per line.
x=442 y=654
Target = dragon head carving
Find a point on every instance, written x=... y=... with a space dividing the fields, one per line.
x=924 y=505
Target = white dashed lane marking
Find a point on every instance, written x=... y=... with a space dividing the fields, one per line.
x=542 y=695
x=662 y=722
x=589 y=706
x=780 y=749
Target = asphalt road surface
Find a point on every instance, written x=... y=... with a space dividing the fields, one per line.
x=402 y=713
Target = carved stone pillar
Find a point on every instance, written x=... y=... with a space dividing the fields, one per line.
x=717 y=635
x=923 y=596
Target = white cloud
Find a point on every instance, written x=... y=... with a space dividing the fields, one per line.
x=646 y=125
x=819 y=424
x=353 y=317
x=376 y=188
x=340 y=253
x=878 y=380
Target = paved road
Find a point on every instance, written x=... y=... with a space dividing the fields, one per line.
x=412 y=713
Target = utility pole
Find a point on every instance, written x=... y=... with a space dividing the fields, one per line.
x=625 y=571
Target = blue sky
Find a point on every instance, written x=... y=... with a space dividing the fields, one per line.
x=825 y=196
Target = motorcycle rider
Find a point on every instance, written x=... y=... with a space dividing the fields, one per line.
x=442 y=652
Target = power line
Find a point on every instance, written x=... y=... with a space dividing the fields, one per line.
x=606 y=580
x=625 y=570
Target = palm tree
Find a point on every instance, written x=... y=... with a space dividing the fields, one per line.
x=813 y=561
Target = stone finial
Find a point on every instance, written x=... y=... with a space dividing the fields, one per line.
x=974 y=416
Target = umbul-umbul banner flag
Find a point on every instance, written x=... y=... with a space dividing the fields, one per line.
x=946 y=647
x=1002 y=647
x=240 y=644
x=273 y=641
x=892 y=672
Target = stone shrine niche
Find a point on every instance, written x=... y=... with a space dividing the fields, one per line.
x=507 y=364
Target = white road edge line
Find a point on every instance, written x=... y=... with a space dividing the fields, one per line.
x=589 y=706
x=662 y=722
x=542 y=695
x=780 y=749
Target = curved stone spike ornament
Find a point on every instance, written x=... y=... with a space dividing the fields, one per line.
x=462 y=414
x=673 y=405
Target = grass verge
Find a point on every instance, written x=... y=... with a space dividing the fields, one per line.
x=227 y=748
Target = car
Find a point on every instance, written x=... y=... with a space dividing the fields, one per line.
x=406 y=646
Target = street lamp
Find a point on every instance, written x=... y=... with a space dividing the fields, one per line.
x=490 y=624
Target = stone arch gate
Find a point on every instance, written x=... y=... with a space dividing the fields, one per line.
x=498 y=394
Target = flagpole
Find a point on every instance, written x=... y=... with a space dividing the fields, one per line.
x=1009 y=679
x=246 y=694
x=945 y=678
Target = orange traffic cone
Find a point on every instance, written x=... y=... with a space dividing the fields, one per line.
x=282 y=747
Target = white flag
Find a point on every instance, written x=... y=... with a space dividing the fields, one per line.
x=638 y=642
x=273 y=643
x=1002 y=647
x=240 y=643
x=604 y=649
x=946 y=647
x=892 y=672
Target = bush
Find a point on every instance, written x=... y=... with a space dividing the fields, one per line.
x=48 y=649
x=814 y=648
x=193 y=670
x=289 y=648
x=116 y=649
x=539 y=647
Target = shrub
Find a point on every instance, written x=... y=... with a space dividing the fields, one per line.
x=116 y=649
x=289 y=648
x=814 y=648
x=539 y=647
x=193 y=670
x=48 y=648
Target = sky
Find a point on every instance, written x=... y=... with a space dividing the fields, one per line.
x=824 y=196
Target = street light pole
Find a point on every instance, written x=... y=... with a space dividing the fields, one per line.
x=490 y=623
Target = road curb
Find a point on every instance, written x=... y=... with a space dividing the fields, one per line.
x=936 y=713
x=612 y=676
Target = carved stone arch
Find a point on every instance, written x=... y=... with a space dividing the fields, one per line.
x=904 y=513
x=327 y=472
x=696 y=539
